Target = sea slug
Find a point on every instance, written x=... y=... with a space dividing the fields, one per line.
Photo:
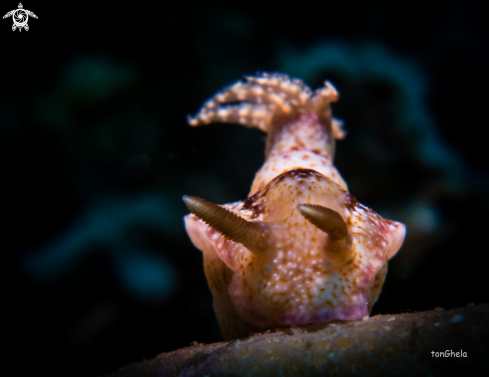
x=301 y=249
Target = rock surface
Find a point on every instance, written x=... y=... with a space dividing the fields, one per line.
x=399 y=344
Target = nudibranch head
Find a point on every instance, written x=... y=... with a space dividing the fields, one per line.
x=300 y=249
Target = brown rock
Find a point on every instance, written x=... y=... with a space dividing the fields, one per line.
x=399 y=344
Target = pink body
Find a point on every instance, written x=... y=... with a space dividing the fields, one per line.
x=297 y=278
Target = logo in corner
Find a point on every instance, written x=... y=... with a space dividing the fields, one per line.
x=20 y=17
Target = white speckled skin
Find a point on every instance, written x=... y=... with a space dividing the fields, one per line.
x=299 y=279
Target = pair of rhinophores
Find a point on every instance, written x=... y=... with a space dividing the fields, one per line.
x=300 y=249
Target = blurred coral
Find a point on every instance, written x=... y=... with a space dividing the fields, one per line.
x=115 y=226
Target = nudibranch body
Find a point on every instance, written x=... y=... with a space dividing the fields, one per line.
x=300 y=249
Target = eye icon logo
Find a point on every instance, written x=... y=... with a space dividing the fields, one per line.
x=20 y=17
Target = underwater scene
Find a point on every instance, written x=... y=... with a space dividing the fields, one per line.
x=97 y=153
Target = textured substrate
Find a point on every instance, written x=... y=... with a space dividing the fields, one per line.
x=399 y=345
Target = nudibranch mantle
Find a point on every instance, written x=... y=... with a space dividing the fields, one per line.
x=300 y=249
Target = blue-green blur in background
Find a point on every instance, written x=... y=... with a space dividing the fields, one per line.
x=96 y=155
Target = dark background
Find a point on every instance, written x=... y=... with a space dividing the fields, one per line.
x=96 y=154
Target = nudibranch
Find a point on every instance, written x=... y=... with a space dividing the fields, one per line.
x=301 y=249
